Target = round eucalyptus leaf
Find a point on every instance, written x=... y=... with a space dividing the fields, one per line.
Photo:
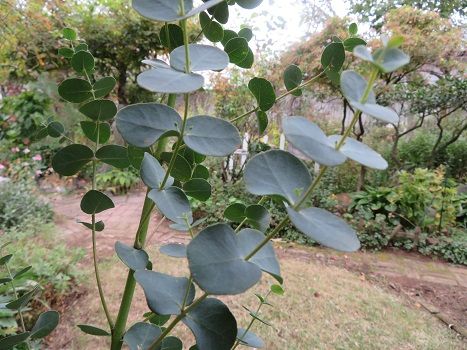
x=277 y=172
x=173 y=204
x=156 y=63
x=360 y=153
x=353 y=29
x=170 y=81
x=202 y=57
x=94 y=202
x=55 y=129
x=384 y=114
x=142 y=124
x=248 y=61
x=258 y=217
x=353 y=86
x=165 y=294
x=264 y=93
x=217 y=263
x=235 y=212
x=82 y=62
x=220 y=12
x=213 y=325
x=171 y=343
x=75 y=90
x=95 y=131
x=45 y=324
x=212 y=30
x=263 y=121
x=98 y=226
x=171 y=36
x=362 y=52
x=11 y=341
x=246 y=33
x=228 y=35
x=134 y=259
x=66 y=52
x=69 y=160
x=91 y=330
x=152 y=173
x=69 y=34
x=182 y=169
x=136 y=155
x=390 y=59
x=211 y=136
x=333 y=56
x=99 y=110
x=237 y=48
x=114 y=155
x=199 y=189
x=293 y=77
x=175 y=250
x=104 y=86
x=169 y=10
x=309 y=139
x=81 y=47
x=325 y=228
x=265 y=258
x=200 y=172
x=249 y=4
x=250 y=339
x=351 y=43
x=141 y=335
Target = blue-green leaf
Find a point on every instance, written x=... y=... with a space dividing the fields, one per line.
x=141 y=335
x=142 y=124
x=202 y=57
x=153 y=173
x=217 y=262
x=134 y=259
x=164 y=293
x=173 y=204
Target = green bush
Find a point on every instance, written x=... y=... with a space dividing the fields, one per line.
x=118 y=181
x=20 y=206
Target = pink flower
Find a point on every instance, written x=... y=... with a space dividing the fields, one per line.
x=38 y=172
x=37 y=157
x=15 y=150
x=2 y=167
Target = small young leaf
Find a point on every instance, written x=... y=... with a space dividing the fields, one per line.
x=75 y=90
x=69 y=160
x=91 y=330
x=114 y=155
x=99 y=110
x=45 y=324
x=104 y=86
x=69 y=34
x=5 y=259
x=246 y=33
x=66 y=52
x=55 y=129
x=293 y=77
x=82 y=62
x=353 y=29
x=99 y=226
x=10 y=342
x=264 y=93
x=94 y=202
x=263 y=121
x=199 y=189
x=277 y=289
x=21 y=272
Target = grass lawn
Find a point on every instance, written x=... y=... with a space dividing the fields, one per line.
x=324 y=308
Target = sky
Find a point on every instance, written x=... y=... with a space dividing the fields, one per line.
x=271 y=11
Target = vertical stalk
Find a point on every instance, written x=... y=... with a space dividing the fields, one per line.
x=140 y=240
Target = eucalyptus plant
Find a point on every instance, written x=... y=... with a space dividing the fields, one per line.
x=221 y=260
x=17 y=302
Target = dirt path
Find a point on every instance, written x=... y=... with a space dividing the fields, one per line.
x=436 y=285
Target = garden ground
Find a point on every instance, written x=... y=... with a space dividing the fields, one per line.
x=334 y=301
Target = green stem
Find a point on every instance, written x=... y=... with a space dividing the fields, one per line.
x=176 y=320
x=301 y=86
x=252 y=321
x=130 y=285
